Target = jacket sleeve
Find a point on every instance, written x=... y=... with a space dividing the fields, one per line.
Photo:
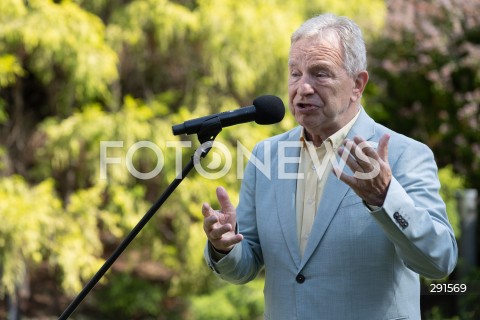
x=414 y=216
x=245 y=260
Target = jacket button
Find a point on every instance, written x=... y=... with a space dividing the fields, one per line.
x=300 y=278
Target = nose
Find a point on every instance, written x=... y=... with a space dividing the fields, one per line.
x=305 y=88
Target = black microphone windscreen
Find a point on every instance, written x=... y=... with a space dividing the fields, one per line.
x=269 y=109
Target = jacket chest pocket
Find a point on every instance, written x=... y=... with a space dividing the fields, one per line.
x=350 y=199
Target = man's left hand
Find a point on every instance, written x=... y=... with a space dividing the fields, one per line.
x=372 y=173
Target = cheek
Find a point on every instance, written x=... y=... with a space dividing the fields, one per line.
x=291 y=96
x=292 y=109
x=348 y=89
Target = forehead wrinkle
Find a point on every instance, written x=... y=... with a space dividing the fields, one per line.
x=317 y=53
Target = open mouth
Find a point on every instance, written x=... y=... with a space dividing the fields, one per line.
x=305 y=106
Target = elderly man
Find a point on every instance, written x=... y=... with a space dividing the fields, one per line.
x=336 y=241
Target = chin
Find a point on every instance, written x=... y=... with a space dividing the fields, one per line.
x=306 y=121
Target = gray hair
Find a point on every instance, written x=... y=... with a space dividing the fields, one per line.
x=347 y=33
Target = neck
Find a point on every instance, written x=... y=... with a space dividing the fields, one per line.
x=318 y=135
x=316 y=139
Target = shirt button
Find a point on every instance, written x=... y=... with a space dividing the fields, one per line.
x=310 y=201
x=300 y=278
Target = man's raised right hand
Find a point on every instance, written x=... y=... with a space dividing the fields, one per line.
x=220 y=225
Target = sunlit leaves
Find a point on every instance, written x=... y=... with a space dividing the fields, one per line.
x=78 y=245
x=248 y=49
x=9 y=69
x=160 y=21
x=369 y=15
x=451 y=183
x=11 y=9
x=62 y=45
x=29 y=223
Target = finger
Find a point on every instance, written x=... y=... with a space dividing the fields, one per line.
x=349 y=160
x=383 y=147
x=206 y=210
x=217 y=233
x=367 y=150
x=230 y=241
x=224 y=200
x=209 y=222
x=365 y=155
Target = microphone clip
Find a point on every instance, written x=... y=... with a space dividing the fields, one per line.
x=208 y=132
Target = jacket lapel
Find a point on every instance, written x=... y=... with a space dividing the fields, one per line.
x=335 y=191
x=285 y=192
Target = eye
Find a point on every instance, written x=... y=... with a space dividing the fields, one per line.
x=294 y=73
x=322 y=74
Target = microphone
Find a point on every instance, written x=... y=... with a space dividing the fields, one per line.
x=266 y=109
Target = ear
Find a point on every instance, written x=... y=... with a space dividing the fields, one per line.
x=360 y=82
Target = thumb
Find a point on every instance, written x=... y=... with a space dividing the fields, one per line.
x=224 y=200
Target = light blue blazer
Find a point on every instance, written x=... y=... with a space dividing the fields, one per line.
x=357 y=264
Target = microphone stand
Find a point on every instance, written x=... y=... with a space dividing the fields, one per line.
x=207 y=133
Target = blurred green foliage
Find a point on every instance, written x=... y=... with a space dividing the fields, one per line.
x=451 y=183
x=426 y=79
x=76 y=74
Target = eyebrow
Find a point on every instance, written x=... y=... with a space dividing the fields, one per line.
x=314 y=66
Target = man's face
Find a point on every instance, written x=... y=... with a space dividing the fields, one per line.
x=321 y=93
